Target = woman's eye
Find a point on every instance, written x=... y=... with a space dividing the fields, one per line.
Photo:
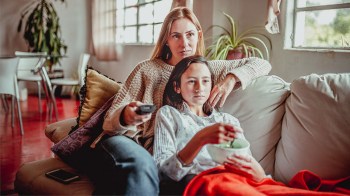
x=175 y=36
x=189 y=35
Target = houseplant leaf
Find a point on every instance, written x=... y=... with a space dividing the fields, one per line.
x=230 y=39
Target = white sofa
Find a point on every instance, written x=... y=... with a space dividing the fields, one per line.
x=302 y=125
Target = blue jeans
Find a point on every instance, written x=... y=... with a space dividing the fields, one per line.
x=118 y=165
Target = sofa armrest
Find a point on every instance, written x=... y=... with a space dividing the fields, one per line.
x=58 y=130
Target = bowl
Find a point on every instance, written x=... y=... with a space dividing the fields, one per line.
x=219 y=152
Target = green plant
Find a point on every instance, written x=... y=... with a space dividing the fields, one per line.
x=231 y=41
x=42 y=30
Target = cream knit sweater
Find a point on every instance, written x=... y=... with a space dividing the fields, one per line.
x=147 y=81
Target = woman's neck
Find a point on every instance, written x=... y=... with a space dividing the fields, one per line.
x=171 y=61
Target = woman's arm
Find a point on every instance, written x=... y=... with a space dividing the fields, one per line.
x=229 y=74
x=130 y=91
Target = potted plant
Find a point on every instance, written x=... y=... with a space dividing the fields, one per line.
x=42 y=30
x=231 y=45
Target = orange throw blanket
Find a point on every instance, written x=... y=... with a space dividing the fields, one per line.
x=219 y=181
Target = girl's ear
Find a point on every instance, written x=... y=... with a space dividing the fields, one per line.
x=176 y=89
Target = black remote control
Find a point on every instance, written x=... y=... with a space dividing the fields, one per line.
x=145 y=109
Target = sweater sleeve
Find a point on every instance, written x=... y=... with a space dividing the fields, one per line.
x=164 y=148
x=131 y=90
x=246 y=69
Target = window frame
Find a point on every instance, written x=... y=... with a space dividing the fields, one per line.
x=137 y=25
x=291 y=15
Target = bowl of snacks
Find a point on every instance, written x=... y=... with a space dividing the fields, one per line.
x=219 y=152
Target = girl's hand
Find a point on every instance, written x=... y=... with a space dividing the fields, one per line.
x=221 y=90
x=245 y=165
x=218 y=133
x=131 y=118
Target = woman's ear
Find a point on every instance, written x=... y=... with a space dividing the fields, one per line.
x=200 y=34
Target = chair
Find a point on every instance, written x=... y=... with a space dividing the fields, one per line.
x=9 y=85
x=79 y=81
x=26 y=64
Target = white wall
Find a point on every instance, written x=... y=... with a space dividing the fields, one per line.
x=75 y=22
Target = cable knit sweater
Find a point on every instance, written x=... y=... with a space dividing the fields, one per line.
x=147 y=81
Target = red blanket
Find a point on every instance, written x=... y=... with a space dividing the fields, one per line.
x=219 y=181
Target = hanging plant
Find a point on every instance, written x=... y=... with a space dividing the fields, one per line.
x=42 y=30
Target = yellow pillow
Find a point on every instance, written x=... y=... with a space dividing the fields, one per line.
x=96 y=91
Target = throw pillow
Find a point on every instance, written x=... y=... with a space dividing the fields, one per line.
x=96 y=91
x=71 y=148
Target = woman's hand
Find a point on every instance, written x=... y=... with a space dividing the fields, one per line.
x=218 y=133
x=221 y=90
x=245 y=165
x=131 y=118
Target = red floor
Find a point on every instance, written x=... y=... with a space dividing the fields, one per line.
x=33 y=145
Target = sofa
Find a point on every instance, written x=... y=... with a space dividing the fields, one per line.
x=303 y=125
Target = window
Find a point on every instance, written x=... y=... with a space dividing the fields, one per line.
x=321 y=24
x=140 y=21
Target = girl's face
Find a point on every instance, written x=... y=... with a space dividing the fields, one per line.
x=182 y=40
x=195 y=86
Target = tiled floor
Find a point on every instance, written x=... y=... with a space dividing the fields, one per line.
x=33 y=145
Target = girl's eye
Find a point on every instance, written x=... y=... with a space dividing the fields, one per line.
x=191 y=81
x=206 y=81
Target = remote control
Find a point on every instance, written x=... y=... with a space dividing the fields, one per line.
x=145 y=109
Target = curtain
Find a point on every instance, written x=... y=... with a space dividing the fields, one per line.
x=273 y=10
x=104 y=45
x=182 y=3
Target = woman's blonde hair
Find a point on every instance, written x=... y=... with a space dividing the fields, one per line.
x=161 y=50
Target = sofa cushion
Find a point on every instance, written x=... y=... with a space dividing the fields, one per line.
x=31 y=178
x=260 y=109
x=58 y=130
x=95 y=92
x=316 y=128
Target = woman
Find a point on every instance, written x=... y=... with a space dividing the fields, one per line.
x=123 y=162
x=178 y=143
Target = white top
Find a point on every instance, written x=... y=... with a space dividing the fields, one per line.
x=173 y=130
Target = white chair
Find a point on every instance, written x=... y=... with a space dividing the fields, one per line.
x=26 y=64
x=79 y=81
x=9 y=85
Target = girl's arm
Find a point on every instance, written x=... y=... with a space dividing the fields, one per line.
x=245 y=165
x=165 y=144
x=214 y=134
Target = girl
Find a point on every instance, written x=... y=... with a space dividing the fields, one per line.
x=187 y=122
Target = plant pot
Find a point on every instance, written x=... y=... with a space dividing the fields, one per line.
x=235 y=54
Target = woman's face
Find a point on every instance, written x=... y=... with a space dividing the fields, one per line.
x=195 y=85
x=182 y=40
